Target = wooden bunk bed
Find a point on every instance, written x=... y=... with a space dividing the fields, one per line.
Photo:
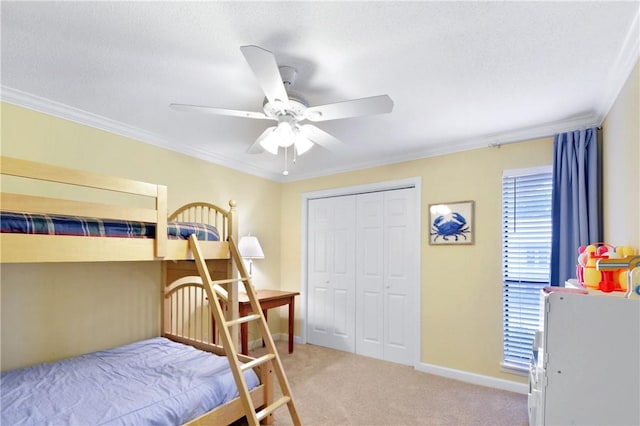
x=21 y=248
x=188 y=286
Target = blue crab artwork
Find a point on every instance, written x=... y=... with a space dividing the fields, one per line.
x=448 y=226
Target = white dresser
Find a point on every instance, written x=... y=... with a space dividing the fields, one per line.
x=586 y=369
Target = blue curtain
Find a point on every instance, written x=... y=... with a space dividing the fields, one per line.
x=577 y=200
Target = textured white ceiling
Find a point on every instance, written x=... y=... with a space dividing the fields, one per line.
x=461 y=74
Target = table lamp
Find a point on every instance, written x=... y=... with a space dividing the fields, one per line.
x=249 y=248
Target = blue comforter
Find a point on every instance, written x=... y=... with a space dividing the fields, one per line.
x=32 y=223
x=152 y=382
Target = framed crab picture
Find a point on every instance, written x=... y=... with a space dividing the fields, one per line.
x=451 y=223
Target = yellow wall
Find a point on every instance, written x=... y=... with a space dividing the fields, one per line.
x=621 y=166
x=45 y=315
x=60 y=310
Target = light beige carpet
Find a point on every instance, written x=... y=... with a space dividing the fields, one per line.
x=337 y=388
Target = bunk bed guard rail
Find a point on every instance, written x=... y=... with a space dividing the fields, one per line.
x=61 y=175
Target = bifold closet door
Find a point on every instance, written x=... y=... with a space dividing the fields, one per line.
x=362 y=278
x=331 y=272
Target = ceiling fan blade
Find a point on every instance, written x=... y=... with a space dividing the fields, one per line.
x=265 y=67
x=219 y=111
x=354 y=108
x=256 y=147
x=322 y=138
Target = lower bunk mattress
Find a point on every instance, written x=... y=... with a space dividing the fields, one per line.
x=151 y=382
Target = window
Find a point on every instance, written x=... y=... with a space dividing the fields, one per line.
x=526 y=253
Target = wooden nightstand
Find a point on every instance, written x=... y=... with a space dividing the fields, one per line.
x=268 y=299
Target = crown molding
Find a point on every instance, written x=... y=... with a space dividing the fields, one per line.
x=619 y=73
x=76 y=115
x=454 y=146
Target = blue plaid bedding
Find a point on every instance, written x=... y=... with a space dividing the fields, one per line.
x=28 y=223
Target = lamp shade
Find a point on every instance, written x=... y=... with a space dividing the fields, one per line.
x=249 y=247
x=271 y=142
x=284 y=135
x=303 y=144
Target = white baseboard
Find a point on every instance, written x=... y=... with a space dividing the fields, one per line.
x=476 y=379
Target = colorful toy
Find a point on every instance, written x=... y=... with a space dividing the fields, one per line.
x=604 y=267
x=592 y=275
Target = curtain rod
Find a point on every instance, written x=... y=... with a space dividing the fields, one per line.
x=518 y=140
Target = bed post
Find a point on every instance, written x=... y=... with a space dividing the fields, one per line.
x=165 y=303
x=232 y=272
x=232 y=227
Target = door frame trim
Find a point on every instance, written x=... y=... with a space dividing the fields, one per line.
x=413 y=182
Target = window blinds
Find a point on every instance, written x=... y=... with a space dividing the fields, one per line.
x=526 y=253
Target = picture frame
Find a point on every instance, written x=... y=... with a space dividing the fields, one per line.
x=452 y=224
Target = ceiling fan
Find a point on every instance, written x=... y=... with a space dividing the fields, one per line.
x=290 y=110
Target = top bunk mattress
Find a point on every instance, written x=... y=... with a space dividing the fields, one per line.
x=155 y=381
x=30 y=223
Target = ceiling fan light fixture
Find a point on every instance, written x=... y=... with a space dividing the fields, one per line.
x=302 y=144
x=285 y=134
x=271 y=142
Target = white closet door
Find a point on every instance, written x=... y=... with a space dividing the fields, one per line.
x=331 y=272
x=386 y=286
x=370 y=275
x=401 y=307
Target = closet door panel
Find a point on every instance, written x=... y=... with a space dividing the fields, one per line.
x=396 y=331
x=371 y=331
x=320 y=303
x=341 y=326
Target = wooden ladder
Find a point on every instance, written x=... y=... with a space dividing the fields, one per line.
x=215 y=292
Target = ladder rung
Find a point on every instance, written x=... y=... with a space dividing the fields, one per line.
x=257 y=361
x=230 y=280
x=242 y=320
x=271 y=408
